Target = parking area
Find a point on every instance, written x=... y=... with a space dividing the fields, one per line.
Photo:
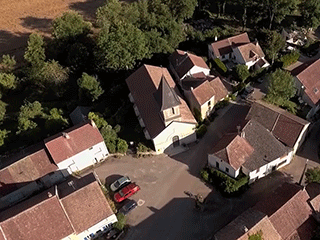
x=165 y=211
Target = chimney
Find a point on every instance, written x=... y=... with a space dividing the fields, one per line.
x=256 y=42
x=239 y=131
x=191 y=88
x=49 y=194
x=243 y=134
x=92 y=123
x=66 y=135
x=245 y=229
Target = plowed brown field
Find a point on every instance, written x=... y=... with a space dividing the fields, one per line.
x=18 y=18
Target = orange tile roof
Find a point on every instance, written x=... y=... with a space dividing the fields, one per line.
x=224 y=46
x=250 y=52
x=80 y=137
x=310 y=79
x=142 y=84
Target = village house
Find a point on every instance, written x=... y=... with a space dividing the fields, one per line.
x=77 y=148
x=267 y=141
x=239 y=50
x=183 y=64
x=285 y=214
x=73 y=210
x=161 y=111
x=307 y=82
x=47 y=163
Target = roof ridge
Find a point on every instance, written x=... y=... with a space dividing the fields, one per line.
x=1 y=230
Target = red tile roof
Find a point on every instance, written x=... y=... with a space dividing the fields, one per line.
x=233 y=149
x=284 y=126
x=142 y=84
x=203 y=93
x=310 y=79
x=251 y=52
x=45 y=220
x=224 y=46
x=86 y=206
x=183 y=62
x=29 y=165
x=78 y=139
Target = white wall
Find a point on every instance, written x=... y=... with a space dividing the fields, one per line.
x=196 y=69
x=185 y=131
x=85 y=158
x=212 y=161
x=266 y=169
x=301 y=138
x=99 y=226
x=205 y=108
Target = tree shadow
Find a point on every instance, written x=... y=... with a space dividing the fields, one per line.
x=88 y=8
x=42 y=24
x=13 y=43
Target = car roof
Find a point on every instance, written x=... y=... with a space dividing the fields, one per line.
x=128 y=188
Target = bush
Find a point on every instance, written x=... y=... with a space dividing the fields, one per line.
x=122 y=146
x=256 y=236
x=313 y=175
x=201 y=131
x=121 y=222
x=220 y=66
x=242 y=72
x=222 y=104
x=197 y=115
x=204 y=175
x=290 y=58
x=143 y=148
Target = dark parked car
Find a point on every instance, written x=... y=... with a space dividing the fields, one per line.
x=247 y=92
x=128 y=207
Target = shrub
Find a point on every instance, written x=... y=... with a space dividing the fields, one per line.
x=290 y=58
x=121 y=222
x=222 y=104
x=142 y=148
x=256 y=236
x=242 y=72
x=220 y=66
x=204 y=175
x=122 y=146
x=313 y=175
x=197 y=115
x=201 y=131
x=110 y=201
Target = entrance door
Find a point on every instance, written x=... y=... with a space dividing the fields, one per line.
x=175 y=141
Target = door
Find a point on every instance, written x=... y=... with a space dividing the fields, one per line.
x=175 y=141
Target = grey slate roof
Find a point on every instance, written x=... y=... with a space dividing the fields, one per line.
x=79 y=114
x=166 y=96
x=266 y=147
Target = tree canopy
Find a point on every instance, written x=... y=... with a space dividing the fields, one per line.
x=35 y=52
x=310 y=12
x=29 y=111
x=272 y=42
x=7 y=64
x=89 y=86
x=70 y=26
x=242 y=72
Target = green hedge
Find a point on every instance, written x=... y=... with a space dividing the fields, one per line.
x=201 y=130
x=313 y=175
x=220 y=66
x=290 y=58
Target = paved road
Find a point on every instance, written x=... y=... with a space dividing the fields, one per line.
x=167 y=213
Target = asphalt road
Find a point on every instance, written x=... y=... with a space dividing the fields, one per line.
x=165 y=212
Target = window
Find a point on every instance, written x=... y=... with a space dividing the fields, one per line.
x=209 y=103
x=315 y=90
x=258 y=170
x=217 y=165
x=91 y=148
x=172 y=109
x=227 y=169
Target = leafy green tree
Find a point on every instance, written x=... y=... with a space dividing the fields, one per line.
x=7 y=81
x=242 y=72
x=272 y=42
x=7 y=64
x=53 y=73
x=110 y=138
x=3 y=106
x=121 y=222
x=281 y=87
x=313 y=175
x=98 y=120
x=55 y=120
x=310 y=12
x=121 y=45
x=182 y=9
x=70 y=26
x=122 y=146
x=27 y=112
x=89 y=86
x=3 y=135
x=35 y=52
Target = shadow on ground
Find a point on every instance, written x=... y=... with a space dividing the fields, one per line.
x=42 y=24
x=87 y=8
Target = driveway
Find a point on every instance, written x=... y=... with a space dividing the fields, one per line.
x=164 y=211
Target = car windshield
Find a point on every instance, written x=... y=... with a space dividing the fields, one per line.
x=121 y=193
x=117 y=184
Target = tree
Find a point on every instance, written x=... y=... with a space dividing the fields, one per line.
x=98 y=120
x=7 y=64
x=3 y=135
x=313 y=175
x=55 y=120
x=310 y=12
x=242 y=72
x=3 y=106
x=70 y=26
x=110 y=138
x=281 y=87
x=121 y=223
x=89 y=86
x=182 y=9
x=35 y=53
x=121 y=45
x=272 y=42
x=27 y=112
x=53 y=73
x=122 y=146
x=7 y=81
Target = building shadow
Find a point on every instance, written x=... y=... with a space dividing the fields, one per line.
x=42 y=24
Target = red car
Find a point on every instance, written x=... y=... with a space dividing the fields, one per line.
x=126 y=192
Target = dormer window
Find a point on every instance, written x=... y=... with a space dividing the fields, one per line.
x=209 y=103
x=315 y=90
